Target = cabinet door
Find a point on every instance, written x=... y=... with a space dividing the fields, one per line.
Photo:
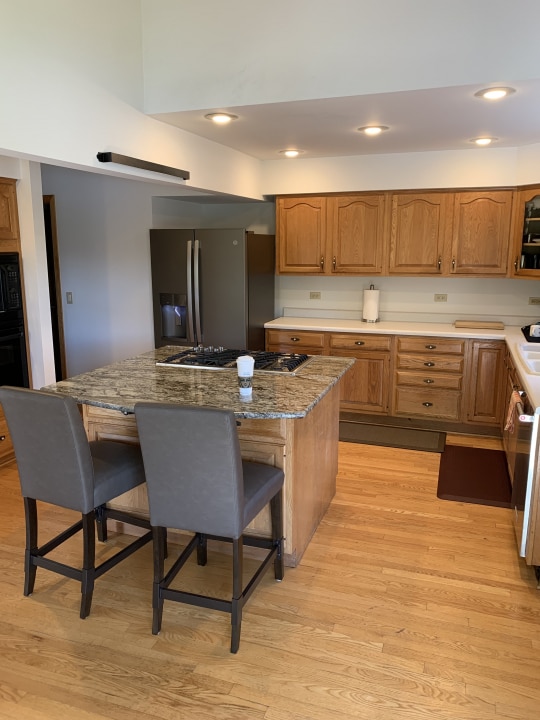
x=481 y=233
x=420 y=225
x=366 y=386
x=485 y=382
x=9 y=222
x=301 y=235
x=525 y=254
x=356 y=228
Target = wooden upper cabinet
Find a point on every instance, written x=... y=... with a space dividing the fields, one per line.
x=525 y=250
x=420 y=225
x=301 y=234
x=9 y=222
x=481 y=232
x=330 y=235
x=356 y=230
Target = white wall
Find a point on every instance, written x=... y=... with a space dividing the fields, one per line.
x=215 y=54
x=104 y=255
x=411 y=299
x=74 y=88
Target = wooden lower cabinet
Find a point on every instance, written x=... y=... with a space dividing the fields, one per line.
x=298 y=341
x=366 y=386
x=486 y=382
x=446 y=379
x=6 y=446
x=428 y=378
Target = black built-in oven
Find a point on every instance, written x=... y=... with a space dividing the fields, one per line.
x=13 y=359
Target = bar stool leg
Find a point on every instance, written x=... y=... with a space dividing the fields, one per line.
x=276 y=514
x=30 y=513
x=89 y=562
x=237 y=599
x=159 y=545
x=101 y=523
x=202 y=549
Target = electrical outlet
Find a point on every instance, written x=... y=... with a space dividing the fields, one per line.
x=69 y=298
x=440 y=297
x=314 y=295
x=534 y=301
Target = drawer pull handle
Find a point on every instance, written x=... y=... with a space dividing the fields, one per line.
x=429 y=381
x=439 y=263
x=295 y=339
x=429 y=364
x=431 y=347
x=359 y=342
x=427 y=404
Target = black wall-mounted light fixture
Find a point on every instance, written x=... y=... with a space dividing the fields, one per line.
x=105 y=157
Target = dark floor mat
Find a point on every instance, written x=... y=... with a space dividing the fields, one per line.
x=390 y=436
x=474 y=475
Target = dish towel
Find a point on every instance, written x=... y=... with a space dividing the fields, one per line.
x=515 y=398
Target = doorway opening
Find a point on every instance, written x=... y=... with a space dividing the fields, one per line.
x=55 y=290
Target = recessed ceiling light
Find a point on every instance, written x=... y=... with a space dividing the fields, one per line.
x=494 y=93
x=291 y=153
x=221 y=118
x=372 y=129
x=483 y=140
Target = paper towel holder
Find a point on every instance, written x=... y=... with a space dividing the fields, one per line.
x=375 y=296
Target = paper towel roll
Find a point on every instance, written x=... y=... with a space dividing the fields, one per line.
x=370 y=310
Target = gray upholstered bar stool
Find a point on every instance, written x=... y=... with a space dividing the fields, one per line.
x=58 y=465
x=198 y=482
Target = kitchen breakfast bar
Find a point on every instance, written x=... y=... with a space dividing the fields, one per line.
x=290 y=421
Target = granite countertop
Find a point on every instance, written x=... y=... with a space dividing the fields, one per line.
x=511 y=334
x=120 y=385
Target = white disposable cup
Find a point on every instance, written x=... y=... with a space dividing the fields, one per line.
x=245 y=365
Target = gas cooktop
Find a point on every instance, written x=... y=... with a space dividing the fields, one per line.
x=220 y=359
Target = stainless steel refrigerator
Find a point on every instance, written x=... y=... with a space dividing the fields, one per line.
x=212 y=287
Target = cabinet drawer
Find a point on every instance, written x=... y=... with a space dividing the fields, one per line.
x=429 y=379
x=295 y=338
x=434 y=403
x=432 y=345
x=430 y=363
x=353 y=341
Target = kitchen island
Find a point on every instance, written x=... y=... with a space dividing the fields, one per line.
x=291 y=421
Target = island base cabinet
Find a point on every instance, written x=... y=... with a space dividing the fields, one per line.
x=306 y=448
x=6 y=446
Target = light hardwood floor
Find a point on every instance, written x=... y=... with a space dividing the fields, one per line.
x=404 y=607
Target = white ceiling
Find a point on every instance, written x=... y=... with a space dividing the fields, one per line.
x=444 y=118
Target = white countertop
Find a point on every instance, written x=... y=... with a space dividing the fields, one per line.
x=511 y=334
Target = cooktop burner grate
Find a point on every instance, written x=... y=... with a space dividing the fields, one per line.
x=215 y=359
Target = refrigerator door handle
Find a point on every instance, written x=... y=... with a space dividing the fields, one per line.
x=189 y=310
x=196 y=293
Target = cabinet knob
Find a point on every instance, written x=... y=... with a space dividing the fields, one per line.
x=516 y=264
x=359 y=342
x=430 y=347
x=2 y=437
x=453 y=264
x=295 y=339
x=334 y=262
x=322 y=262
x=427 y=404
x=439 y=263
x=429 y=364
x=429 y=381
